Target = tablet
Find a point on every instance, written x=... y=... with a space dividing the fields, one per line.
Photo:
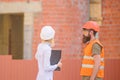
x=55 y=58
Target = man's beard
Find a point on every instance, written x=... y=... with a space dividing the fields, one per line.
x=86 y=38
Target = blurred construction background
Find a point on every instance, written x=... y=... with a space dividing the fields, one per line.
x=22 y=20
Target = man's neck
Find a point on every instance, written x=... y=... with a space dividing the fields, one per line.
x=92 y=38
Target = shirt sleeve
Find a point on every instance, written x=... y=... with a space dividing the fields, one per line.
x=47 y=65
x=96 y=49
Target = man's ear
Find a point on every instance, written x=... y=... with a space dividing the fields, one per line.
x=91 y=32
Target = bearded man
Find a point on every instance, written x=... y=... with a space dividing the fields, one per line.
x=93 y=60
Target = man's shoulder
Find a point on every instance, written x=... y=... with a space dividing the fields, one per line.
x=96 y=48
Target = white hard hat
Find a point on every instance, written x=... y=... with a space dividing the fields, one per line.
x=47 y=32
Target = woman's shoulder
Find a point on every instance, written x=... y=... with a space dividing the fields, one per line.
x=44 y=46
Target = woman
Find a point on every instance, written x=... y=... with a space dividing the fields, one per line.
x=43 y=54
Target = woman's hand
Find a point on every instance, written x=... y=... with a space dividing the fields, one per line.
x=60 y=64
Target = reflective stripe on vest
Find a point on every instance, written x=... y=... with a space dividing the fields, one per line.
x=91 y=66
x=89 y=57
x=90 y=60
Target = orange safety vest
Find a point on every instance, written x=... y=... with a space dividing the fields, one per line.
x=88 y=62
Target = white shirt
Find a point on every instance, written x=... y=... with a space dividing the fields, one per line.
x=43 y=57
